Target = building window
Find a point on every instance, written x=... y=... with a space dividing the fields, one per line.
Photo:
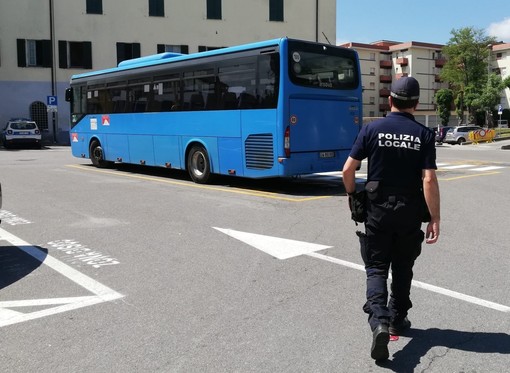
x=74 y=54
x=162 y=48
x=34 y=53
x=213 y=9
x=94 y=6
x=127 y=51
x=372 y=56
x=204 y=48
x=156 y=8
x=372 y=71
x=276 y=10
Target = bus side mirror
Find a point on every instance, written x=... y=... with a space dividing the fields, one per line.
x=69 y=94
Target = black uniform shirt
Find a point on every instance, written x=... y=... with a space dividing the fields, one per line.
x=398 y=149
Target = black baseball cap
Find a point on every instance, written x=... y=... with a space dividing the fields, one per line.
x=406 y=88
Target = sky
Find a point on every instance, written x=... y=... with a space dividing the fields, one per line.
x=429 y=21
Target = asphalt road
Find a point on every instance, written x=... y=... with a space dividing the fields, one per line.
x=135 y=269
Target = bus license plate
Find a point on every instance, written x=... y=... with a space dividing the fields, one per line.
x=327 y=154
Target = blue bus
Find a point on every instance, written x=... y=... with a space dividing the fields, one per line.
x=276 y=108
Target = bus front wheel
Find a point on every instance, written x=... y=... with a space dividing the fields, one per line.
x=97 y=155
x=199 y=167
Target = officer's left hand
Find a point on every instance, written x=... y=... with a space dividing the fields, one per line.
x=432 y=233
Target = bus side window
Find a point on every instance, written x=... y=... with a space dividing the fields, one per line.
x=196 y=101
x=269 y=72
x=229 y=101
x=247 y=101
x=212 y=101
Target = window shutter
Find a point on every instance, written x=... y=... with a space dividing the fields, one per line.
x=276 y=10
x=136 y=50
x=121 y=53
x=156 y=8
x=22 y=53
x=213 y=9
x=47 y=53
x=62 y=54
x=87 y=55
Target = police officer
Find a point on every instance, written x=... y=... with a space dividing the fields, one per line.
x=401 y=186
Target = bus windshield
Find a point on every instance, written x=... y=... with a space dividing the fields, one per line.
x=322 y=66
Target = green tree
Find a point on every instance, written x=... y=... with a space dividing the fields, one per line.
x=444 y=100
x=490 y=97
x=468 y=52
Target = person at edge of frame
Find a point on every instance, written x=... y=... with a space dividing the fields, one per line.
x=401 y=186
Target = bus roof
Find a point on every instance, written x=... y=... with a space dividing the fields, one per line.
x=162 y=58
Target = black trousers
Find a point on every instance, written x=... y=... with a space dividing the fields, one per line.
x=392 y=238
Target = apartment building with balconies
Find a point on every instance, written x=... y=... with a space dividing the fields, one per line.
x=384 y=61
x=500 y=64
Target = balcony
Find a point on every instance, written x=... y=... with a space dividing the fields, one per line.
x=385 y=64
x=402 y=61
x=385 y=78
x=384 y=92
x=440 y=62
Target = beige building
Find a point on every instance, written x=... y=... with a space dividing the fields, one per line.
x=43 y=43
x=500 y=64
x=383 y=61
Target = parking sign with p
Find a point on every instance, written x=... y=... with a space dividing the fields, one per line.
x=52 y=103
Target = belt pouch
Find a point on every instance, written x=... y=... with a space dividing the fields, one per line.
x=372 y=189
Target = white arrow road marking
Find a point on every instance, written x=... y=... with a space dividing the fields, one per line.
x=101 y=292
x=282 y=249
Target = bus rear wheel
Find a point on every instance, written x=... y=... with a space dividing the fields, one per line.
x=97 y=155
x=199 y=166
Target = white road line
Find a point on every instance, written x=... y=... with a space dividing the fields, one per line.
x=101 y=292
x=488 y=168
x=463 y=297
x=457 y=166
x=422 y=285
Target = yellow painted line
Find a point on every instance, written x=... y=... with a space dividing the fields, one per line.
x=466 y=176
x=201 y=186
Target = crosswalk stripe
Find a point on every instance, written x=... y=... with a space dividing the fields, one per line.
x=362 y=176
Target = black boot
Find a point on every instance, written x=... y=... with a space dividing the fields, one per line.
x=380 y=340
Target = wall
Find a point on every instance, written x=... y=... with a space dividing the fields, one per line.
x=127 y=21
